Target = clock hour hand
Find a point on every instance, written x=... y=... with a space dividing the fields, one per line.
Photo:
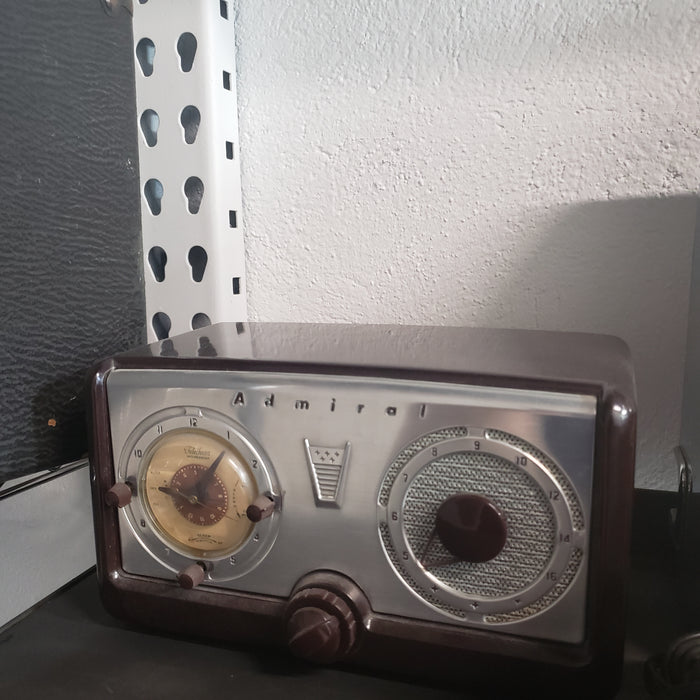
x=176 y=492
x=193 y=500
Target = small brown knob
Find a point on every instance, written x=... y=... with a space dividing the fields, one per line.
x=321 y=626
x=262 y=507
x=192 y=576
x=471 y=527
x=118 y=496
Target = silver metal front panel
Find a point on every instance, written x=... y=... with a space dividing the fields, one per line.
x=335 y=523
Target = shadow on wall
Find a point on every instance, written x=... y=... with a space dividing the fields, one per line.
x=622 y=268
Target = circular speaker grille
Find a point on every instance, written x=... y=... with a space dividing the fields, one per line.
x=544 y=524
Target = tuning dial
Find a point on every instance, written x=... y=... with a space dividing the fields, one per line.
x=471 y=527
x=321 y=626
x=480 y=522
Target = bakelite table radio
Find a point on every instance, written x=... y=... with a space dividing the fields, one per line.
x=448 y=501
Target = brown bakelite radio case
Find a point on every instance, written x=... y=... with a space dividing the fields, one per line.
x=439 y=501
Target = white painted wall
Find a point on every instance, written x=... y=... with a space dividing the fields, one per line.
x=511 y=163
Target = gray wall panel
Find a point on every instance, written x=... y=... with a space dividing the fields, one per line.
x=71 y=289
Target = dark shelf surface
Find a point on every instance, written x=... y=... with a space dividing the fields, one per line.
x=70 y=647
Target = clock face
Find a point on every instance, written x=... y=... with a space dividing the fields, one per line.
x=203 y=492
x=196 y=488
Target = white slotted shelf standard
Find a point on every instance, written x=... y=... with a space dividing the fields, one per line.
x=193 y=250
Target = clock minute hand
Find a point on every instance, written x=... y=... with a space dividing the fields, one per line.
x=201 y=485
x=215 y=464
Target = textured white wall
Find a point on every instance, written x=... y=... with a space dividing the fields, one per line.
x=492 y=162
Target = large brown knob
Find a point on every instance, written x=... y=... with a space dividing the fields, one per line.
x=321 y=626
x=471 y=527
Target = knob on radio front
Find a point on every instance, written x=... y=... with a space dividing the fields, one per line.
x=324 y=617
x=321 y=626
x=118 y=495
x=471 y=527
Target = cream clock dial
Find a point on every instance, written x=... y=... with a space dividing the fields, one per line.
x=199 y=481
x=196 y=488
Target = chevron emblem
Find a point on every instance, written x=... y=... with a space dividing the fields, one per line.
x=327 y=469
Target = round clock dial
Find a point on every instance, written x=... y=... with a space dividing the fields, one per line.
x=196 y=488
x=196 y=478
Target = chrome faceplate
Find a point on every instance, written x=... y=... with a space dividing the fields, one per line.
x=369 y=422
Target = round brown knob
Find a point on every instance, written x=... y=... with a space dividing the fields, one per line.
x=261 y=508
x=471 y=527
x=118 y=496
x=192 y=576
x=321 y=626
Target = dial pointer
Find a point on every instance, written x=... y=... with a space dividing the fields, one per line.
x=434 y=562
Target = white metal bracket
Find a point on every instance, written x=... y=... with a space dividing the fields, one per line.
x=193 y=250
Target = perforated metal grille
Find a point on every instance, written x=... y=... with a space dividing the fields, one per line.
x=413 y=449
x=546 y=600
x=529 y=519
x=561 y=478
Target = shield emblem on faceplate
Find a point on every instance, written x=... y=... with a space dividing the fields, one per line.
x=327 y=467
